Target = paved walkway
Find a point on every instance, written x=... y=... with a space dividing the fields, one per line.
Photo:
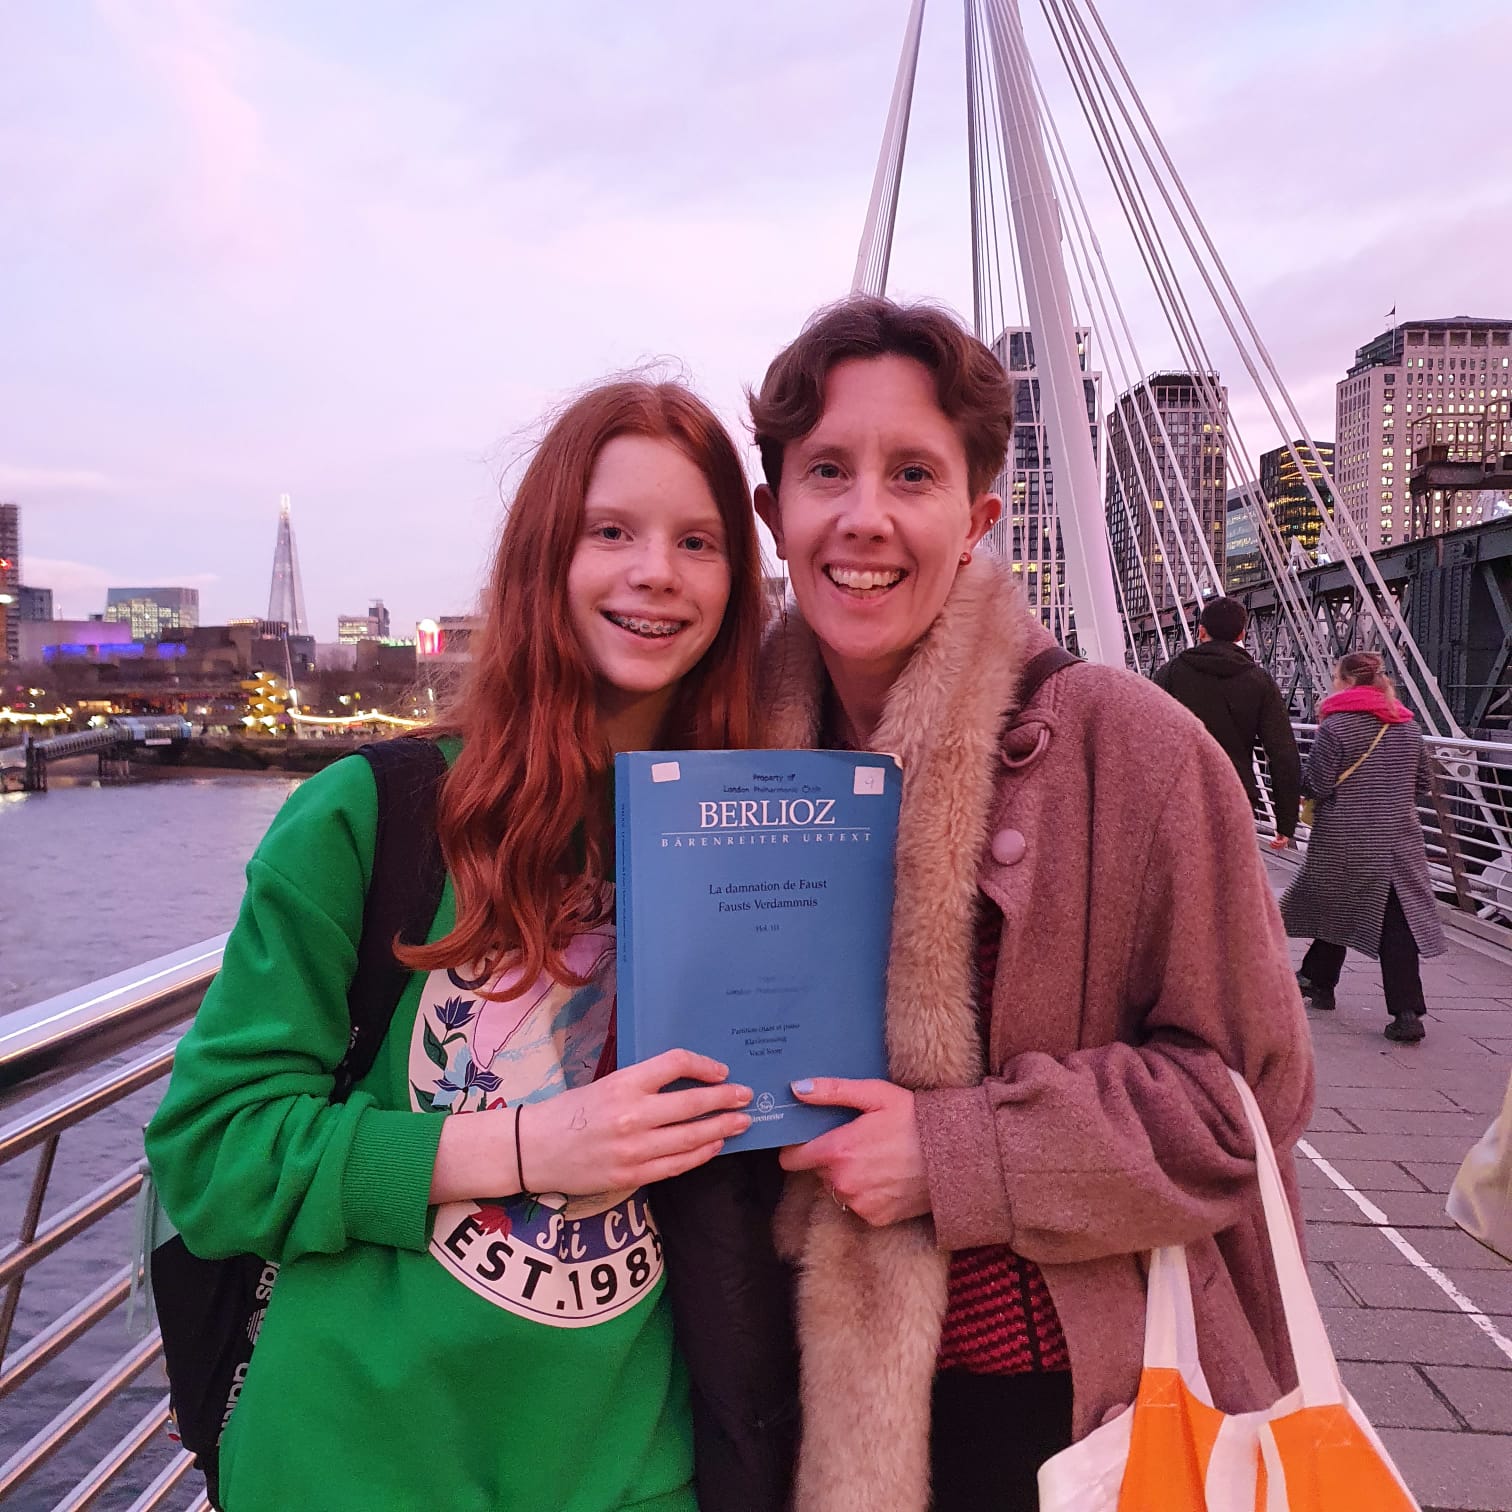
x=1394 y=1121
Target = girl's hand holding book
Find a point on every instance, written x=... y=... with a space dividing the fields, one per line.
x=623 y=1131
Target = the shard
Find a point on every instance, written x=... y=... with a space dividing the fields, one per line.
x=286 y=595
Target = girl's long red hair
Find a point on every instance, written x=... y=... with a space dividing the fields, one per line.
x=523 y=813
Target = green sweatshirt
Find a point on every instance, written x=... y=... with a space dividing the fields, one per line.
x=498 y=1356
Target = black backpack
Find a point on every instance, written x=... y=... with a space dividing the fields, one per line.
x=210 y=1311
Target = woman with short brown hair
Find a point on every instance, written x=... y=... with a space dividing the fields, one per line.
x=1083 y=942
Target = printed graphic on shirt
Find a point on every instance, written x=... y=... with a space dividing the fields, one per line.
x=565 y=1261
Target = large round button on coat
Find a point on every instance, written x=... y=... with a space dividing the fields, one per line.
x=1008 y=847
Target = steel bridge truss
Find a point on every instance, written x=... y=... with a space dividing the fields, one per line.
x=1452 y=593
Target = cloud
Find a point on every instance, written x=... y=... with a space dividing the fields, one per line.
x=79 y=588
x=18 y=478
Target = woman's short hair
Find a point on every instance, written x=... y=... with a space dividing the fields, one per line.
x=970 y=384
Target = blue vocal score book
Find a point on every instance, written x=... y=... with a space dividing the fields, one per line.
x=754 y=911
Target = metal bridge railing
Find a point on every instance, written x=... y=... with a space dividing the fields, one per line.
x=56 y=1076
x=1467 y=824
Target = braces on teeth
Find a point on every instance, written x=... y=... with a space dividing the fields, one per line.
x=645 y=626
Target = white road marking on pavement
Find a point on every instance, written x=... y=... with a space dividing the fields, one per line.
x=1433 y=1273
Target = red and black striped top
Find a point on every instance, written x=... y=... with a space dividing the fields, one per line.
x=999 y=1319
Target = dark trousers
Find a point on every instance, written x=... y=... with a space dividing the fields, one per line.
x=1400 y=978
x=990 y=1434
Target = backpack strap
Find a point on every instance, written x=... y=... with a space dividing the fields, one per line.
x=404 y=892
x=1041 y=668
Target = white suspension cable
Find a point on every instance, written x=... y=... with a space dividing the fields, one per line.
x=1086 y=273
x=1184 y=328
x=1130 y=642
x=1403 y=650
x=1151 y=253
x=1048 y=296
x=1046 y=508
x=875 y=254
x=997 y=187
x=973 y=112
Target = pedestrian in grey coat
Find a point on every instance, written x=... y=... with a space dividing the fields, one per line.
x=1364 y=882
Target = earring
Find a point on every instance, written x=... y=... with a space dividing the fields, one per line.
x=965 y=558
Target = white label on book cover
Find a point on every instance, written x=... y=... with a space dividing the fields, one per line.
x=870 y=781
x=666 y=771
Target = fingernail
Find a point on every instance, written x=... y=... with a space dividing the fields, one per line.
x=724 y=1070
x=745 y=1123
x=803 y=1087
x=742 y=1094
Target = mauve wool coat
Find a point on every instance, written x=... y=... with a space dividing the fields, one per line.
x=1366 y=838
x=1141 y=956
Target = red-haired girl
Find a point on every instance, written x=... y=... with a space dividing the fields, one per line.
x=470 y=1312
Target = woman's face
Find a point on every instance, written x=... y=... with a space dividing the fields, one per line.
x=875 y=511
x=650 y=577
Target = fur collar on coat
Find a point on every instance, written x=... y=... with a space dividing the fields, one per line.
x=871 y=1301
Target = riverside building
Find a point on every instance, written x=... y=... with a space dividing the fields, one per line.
x=1283 y=484
x=1149 y=524
x=374 y=625
x=151 y=611
x=1028 y=536
x=1419 y=385
x=10 y=581
x=1243 y=565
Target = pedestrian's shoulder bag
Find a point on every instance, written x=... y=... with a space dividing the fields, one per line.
x=1310 y=805
x=1173 y=1451
x=210 y=1311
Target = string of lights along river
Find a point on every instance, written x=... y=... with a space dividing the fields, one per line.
x=93 y=880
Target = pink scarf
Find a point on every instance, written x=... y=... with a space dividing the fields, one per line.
x=1365 y=701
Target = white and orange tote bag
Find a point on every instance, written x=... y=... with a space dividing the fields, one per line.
x=1173 y=1451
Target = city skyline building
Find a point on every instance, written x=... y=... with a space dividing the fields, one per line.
x=151 y=611
x=45 y=640
x=374 y=625
x=1152 y=533
x=1283 y=485
x=33 y=604
x=1243 y=564
x=10 y=581
x=1419 y=384
x=446 y=641
x=286 y=592
x=1028 y=535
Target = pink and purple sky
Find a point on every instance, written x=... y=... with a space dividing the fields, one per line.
x=352 y=250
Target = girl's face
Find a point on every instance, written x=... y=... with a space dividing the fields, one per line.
x=650 y=577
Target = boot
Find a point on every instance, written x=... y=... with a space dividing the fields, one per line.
x=1319 y=997
x=1406 y=1028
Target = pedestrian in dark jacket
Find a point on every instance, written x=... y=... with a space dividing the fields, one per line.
x=1364 y=883
x=1239 y=702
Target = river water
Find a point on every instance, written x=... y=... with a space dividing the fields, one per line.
x=95 y=879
